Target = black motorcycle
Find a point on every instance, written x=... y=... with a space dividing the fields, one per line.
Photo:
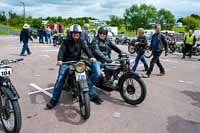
x=10 y=113
x=57 y=39
x=123 y=41
x=195 y=50
x=172 y=45
x=132 y=48
x=76 y=84
x=117 y=76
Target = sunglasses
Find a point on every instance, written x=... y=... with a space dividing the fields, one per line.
x=102 y=33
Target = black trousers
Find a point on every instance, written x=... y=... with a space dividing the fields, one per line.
x=156 y=60
x=187 y=48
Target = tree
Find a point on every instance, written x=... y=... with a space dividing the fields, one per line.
x=140 y=16
x=166 y=19
x=116 y=21
x=191 y=22
x=3 y=17
x=195 y=16
x=36 y=23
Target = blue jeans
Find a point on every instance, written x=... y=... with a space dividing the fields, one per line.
x=49 y=38
x=61 y=80
x=92 y=78
x=25 y=48
x=140 y=56
x=41 y=40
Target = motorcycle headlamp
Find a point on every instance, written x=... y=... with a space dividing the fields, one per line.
x=80 y=67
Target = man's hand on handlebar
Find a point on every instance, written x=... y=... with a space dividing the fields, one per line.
x=109 y=61
x=92 y=59
x=59 y=63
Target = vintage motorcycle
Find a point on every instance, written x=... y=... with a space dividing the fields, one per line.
x=57 y=39
x=117 y=76
x=172 y=45
x=195 y=49
x=10 y=113
x=132 y=48
x=76 y=84
x=123 y=41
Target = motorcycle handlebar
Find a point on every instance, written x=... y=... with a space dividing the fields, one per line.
x=70 y=62
x=6 y=61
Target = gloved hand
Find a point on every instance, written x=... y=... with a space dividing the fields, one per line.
x=109 y=61
x=122 y=53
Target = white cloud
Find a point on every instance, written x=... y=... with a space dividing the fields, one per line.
x=95 y=8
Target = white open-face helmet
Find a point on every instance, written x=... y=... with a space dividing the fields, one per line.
x=26 y=26
x=75 y=28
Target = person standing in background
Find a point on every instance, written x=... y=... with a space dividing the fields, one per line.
x=25 y=35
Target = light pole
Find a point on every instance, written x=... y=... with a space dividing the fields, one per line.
x=24 y=11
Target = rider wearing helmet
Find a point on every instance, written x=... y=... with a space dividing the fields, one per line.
x=70 y=50
x=101 y=47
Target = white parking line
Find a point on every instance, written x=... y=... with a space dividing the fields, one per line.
x=45 y=56
x=40 y=90
x=53 y=50
x=166 y=60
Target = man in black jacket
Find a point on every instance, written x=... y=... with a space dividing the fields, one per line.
x=158 y=43
x=25 y=35
x=101 y=47
x=70 y=50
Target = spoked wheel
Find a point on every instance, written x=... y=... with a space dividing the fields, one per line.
x=132 y=89
x=131 y=49
x=11 y=115
x=84 y=103
x=148 y=53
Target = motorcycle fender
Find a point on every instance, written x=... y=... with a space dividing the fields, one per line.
x=130 y=72
x=9 y=93
x=83 y=85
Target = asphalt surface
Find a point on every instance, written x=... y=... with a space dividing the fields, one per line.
x=172 y=104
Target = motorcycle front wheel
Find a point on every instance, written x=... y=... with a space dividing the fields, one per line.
x=148 y=53
x=84 y=103
x=132 y=88
x=131 y=49
x=11 y=115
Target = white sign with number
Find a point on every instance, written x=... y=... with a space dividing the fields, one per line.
x=5 y=71
x=80 y=76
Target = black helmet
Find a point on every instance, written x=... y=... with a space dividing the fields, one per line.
x=75 y=28
x=103 y=29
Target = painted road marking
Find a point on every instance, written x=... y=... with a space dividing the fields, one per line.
x=54 y=50
x=40 y=90
x=166 y=60
x=47 y=56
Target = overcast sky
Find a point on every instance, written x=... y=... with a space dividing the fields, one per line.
x=100 y=9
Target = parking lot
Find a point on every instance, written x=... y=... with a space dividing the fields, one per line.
x=172 y=104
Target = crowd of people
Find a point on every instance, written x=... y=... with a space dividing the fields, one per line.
x=99 y=52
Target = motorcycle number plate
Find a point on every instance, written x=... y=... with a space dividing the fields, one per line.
x=5 y=72
x=80 y=76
